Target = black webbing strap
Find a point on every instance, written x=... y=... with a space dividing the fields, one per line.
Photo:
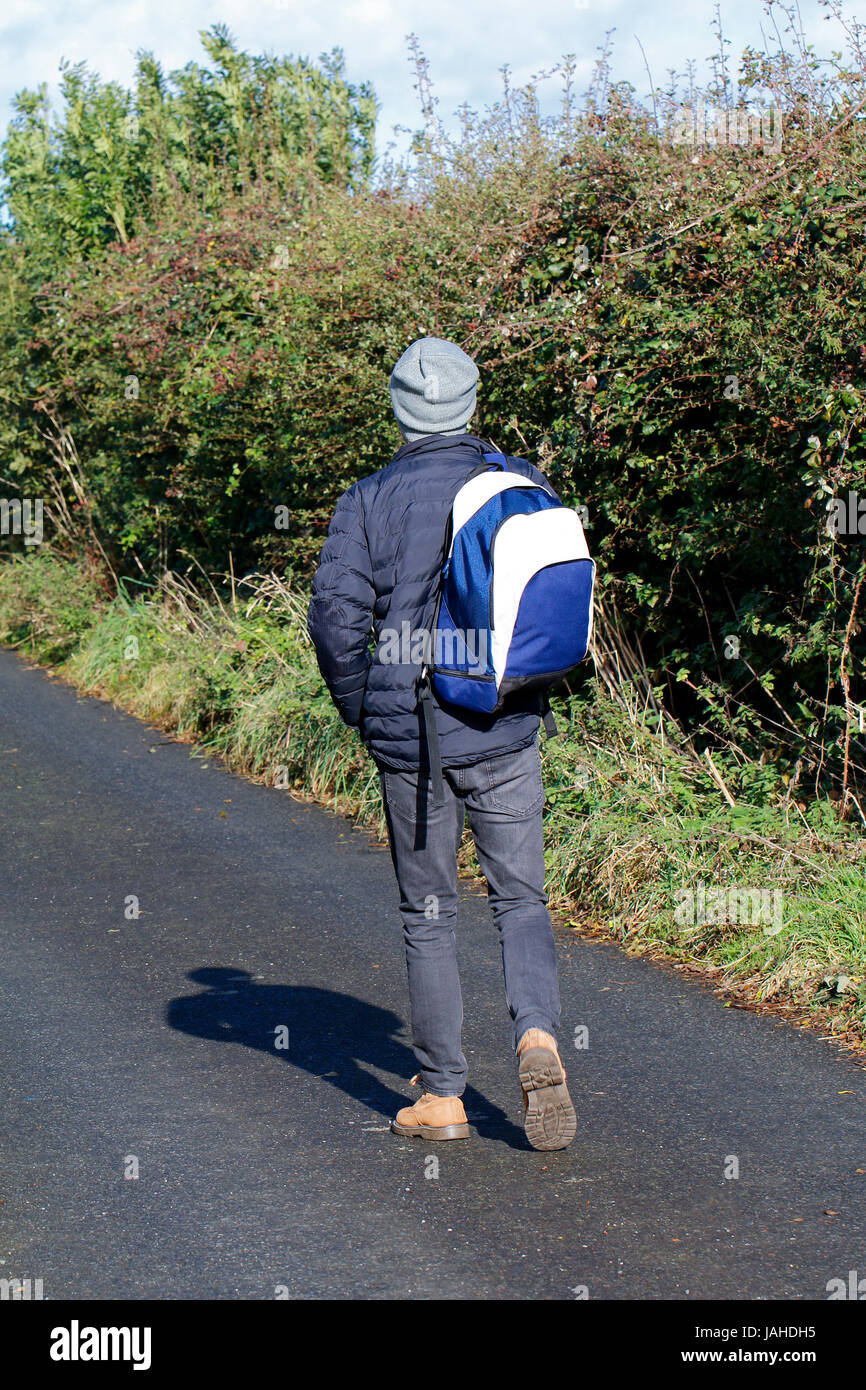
x=547 y=718
x=431 y=736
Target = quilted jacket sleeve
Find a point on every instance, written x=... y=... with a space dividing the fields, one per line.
x=340 y=614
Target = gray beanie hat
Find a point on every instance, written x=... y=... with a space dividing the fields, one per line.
x=433 y=388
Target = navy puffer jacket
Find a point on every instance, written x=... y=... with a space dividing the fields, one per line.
x=379 y=568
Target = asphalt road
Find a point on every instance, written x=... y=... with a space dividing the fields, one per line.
x=149 y=1044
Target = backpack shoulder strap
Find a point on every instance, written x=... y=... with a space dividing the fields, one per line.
x=495 y=457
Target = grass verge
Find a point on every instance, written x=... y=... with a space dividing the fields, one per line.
x=765 y=899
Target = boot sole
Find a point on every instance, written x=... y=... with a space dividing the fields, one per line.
x=434 y=1132
x=550 y=1121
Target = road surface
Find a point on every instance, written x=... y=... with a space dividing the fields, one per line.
x=148 y=1045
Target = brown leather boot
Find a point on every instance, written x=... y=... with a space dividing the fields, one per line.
x=432 y=1117
x=548 y=1114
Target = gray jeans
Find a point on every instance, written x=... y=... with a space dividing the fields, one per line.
x=504 y=797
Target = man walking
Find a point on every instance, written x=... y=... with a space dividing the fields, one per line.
x=378 y=574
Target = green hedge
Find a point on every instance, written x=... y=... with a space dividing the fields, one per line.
x=674 y=333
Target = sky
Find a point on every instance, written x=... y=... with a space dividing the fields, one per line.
x=466 y=41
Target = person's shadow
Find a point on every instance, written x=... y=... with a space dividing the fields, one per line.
x=327 y=1034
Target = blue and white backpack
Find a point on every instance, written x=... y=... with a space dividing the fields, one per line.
x=514 y=608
